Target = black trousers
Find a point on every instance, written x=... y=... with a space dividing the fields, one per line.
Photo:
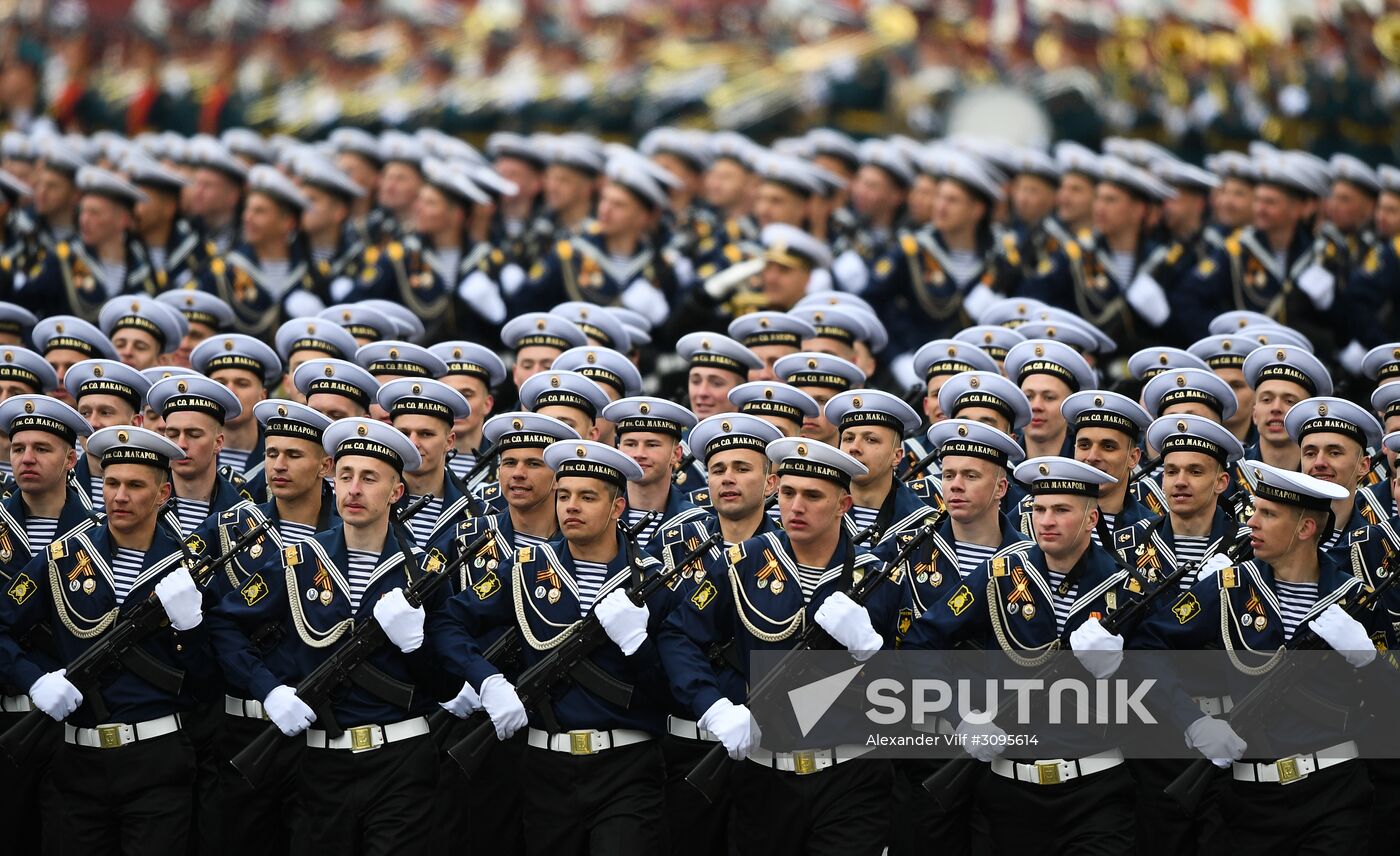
x=1087 y=816
x=1163 y=826
x=481 y=815
x=373 y=803
x=842 y=811
x=698 y=827
x=248 y=820
x=1329 y=812
x=1385 y=807
x=138 y=799
x=919 y=824
x=203 y=725
x=609 y=804
x=28 y=803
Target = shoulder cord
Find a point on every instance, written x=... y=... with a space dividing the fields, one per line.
x=999 y=629
x=783 y=635
x=1253 y=671
x=306 y=632
x=61 y=606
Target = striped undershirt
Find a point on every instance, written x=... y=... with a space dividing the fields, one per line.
x=293 y=532
x=461 y=464
x=590 y=577
x=525 y=539
x=1120 y=267
x=807 y=579
x=1107 y=524
x=95 y=493
x=192 y=512
x=362 y=563
x=644 y=538
x=1190 y=550
x=40 y=531
x=863 y=517
x=126 y=567
x=970 y=556
x=1294 y=601
x=234 y=458
x=422 y=523
x=1061 y=602
x=964 y=265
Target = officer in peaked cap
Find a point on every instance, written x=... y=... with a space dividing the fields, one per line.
x=425 y=411
x=785 y=407
x=1335 y=438
x=1225 y=354
x=105 y=393
x=567 y=396
x=475 y=372
x=308 y=338
x=1048 y=373
x=250 y=369
x=820 y=376
x=770 y=336
x=193 y=409
x=717 y=365
x=649 y=432
x=1281 y=376
x=338 y=388
x=141 y=329
x=871 y=425
x=205 y=315
x=537 y=338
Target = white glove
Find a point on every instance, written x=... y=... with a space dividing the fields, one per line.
x=983 y=741
x=464 y=704
x=1293 y=100
x=624 y=621
x=341 y=287
x=1346 y=635
x=504 y=707
x=403 y=624
x=302 y=303
x=1319 y=285
x=734 y=726
x=512 y=277
x=1100 y=652
x=287 y=711
x=1215 y=739
x=646 y=300
x=849 y=624
x=1145 y=295
x=1352 y=357
x=55 y=695
x=181 y=600
x=727 y=281
x=819 y=281
x=977 y=299
x=483 y=296
x=1212 y=566
x=850 y=272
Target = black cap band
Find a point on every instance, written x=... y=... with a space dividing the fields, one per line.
x=592 y=470
x=414 y=406
x=975 y=398
x=814 y=469
x=194 y=404
x=195 y=316
x=1194 y=443
x=1107 y=419
x=280 y=427
x=362 y=331
x=40 y=422
x=1292 y=497
x=948 y=367
x=729 y=442
x=311 y=343
x=130 y=455
x=10 y=371
x=595 y=333
x=71 y=343
x=1187 y=395
x=709 y=359
x=235 y=361
x=973 y=449
x=136 y=322
x=525 y=440
x=1047 y=367
x=822 y=379
x=1041 y=487
x=830 y=331
x=772 y=337
x=857 y=418
x=103 y=386
x=602 y=375
x=359 y=446
x=400 y=368
x=771 y=407
x=565 y=398
x=1332 y=425
x=342 y=388
x=543 y=340
x=462 y=367
x=1226 y=361
x=1283 y=371
x=649 y=424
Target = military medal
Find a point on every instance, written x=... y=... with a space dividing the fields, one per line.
x=1028 y=611
x=1246 y=620
x=922 y=577
x=935 y=579
x=479 y=562
x=311 y=594
x=1260 y=622
x=777 y=587
x=255 y=550
x=554 y=595
x=763 y=582
x=1013 y=608
x=73 y=585
x=89 y=585
x=539 y=592
x=326 y=598
x=699 y=574
x=492 y=565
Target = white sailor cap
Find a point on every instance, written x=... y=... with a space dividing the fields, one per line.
x=798 y=456
x=357 y=142
x=1325 y=414
x=618 y=154
x=507 y=144
x=199 y=307
x=1292 y=173
x=542 y=329
x=792 y=173
x=1052 y=474
x=1043 y=356
x=985 y=389
x=320 y=173
x=107 y=377
x=42 y=413
x=1382 y=362
x=472 y=360
x=1296 y=489
x=949 y=357
x=1237 y=319
x=713 y=350
x=336 y=377
x=577 y=152
x=101 y=182
x=1189 y=385
x=1033 y=162
x=1135 y=150
x=521 y=429
x=193 y=394
x=1389 y=178
x=60 y=156
x=15 y=145
x=975 y=175
x=690 y=146
x=1186 y=432
x=1097 y=408
x=843 y=323
x=1150 y=362
x=486 y=178
x=602 y=365
x=834 y=144
x=282 y=418
x=358 y=436
x=964 y=437
x=567 y=389
x=1183 y=176
x=270 y=181
x=648 y=414
x=1354 y=171
x=1077 y=336
x=423 y=397
x=1011 y=312
x=398 y=147
x=15 y=320
x=810 y=368
x=209 y=153
x=1277 y=334
x=1072 y=157
x=21 y=365
x=1392 y=441
x=1290 y=363
x=1136 y=180
x=1102 y=342
x=854 y=304
x=790 y=246
x=127 y=444
x=314 y=334
x=757 y=329
x=591 y=459
x=597 y=323
x=449 y=148
x=167 y=325
x=629 y=174
x=13 y=188
x=1230 y=164
x=362 y=322
x=453 y=182
x=778 y=400
x=155 y=374
x=410 y=326
x=638 y=326
x=735 y=147
x=724 y=432
x=890 y=159
x=247 y=143
x=237 y=351
x=1224 y=350
x=400 y=359
x=856 y=407
x=997 y=155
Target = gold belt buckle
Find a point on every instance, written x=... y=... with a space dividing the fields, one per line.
x=109 y=736
x=804 y=761
x=1048 y=773
x=1288 y=770
x=361 y=738
x=581 y=742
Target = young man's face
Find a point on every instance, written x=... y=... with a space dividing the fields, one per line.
x=576 y=419
x=1334 y=458
x=431 y=436
x=878 y=448
x=1272 y=401
x=199 y=436
x=1062 y=523
x=818 y=427
x=245 y=386
x=587 y=508
x=101 y=219
x=136 y=348
x=105 y=411
x=1108 y=451
x=525 y=479
x=365 y=489
x=972 y=487
x=810 y=507
x=709 y=390
x=334 y=406
x=1045 y=394
x=295 y=468
x=132 y=493
x=478 y=397
x=1275 y=528
x=1192 y=481
x=739 y=481
x=531 y=360
x=40 y=461
x=654 y=452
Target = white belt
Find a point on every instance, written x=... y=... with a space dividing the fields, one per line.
x=245 y=707
x=1295 y=767
x=16 y=704
x=118 y=734
x=363 y=738
x=806 y=761
x=1215 y=705
x=1056 y=770
x=689 y=729
x=586 y=741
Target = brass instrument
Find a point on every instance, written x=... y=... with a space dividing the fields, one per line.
x=1386 y=34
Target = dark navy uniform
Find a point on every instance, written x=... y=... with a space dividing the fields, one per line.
x=1080 y=279
x=919 y=298
x=579 y=268
x=68 y=282
x=401 y=272
x=237 y=278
